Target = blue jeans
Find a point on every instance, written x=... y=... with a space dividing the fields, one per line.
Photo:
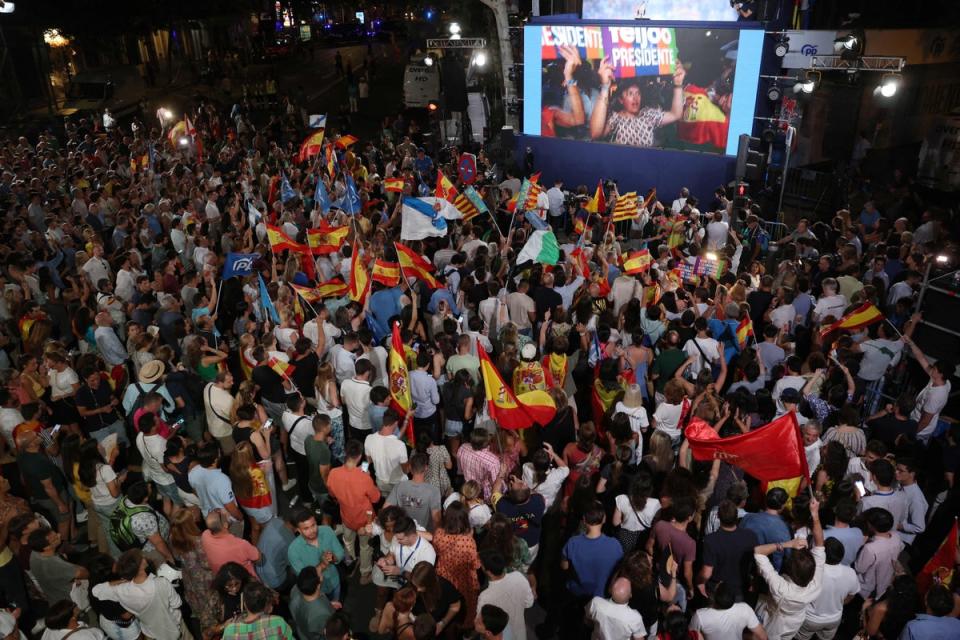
x=117 y=427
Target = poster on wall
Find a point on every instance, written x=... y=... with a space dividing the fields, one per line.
x=690 y=10
x=662 y=87
x=939 y=165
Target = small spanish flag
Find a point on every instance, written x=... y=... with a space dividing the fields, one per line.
x=413 y=264
x=284 y=369
x=279 y=240
x=399 y=375
x=331 y=160
x=508 y=410
x=637 y=262
x=327 y=239
x=580 y=225
x=345 y=141
x=386 y=273
x=940 y=568
x=651 y=295
x=862 y=316
x=311 y=146
x=308 y=294
x=744 y=331
x=598 y=203
x=444 y=189
x=359 y=279
x=625 y=207
x=393 y=185
x=335 y=288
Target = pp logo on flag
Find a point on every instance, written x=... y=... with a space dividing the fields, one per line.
x=244 y=263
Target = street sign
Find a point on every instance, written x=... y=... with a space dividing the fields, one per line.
x=460 y=43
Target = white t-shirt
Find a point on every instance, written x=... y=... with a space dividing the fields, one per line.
x=153 y=449
x=633 y=519
x=386 y=453
x=667 y=419
x=931 y=400
x=299 y=428
x=717 y=235
x=100 y=492
x=614 y=621
x=839 y=581
x=61 y=382
x=830 y=306
x=783 y=316
x=408 y=557
x=710 y=348
x=638 y=416
x=724 y=624
x=787 y=382
x=550 y=487
x=877 y=356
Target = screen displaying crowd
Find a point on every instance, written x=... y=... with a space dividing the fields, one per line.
x=201 y=432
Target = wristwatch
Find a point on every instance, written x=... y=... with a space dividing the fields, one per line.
x=572 y=82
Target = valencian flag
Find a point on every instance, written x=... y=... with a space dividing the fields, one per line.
x=444 y=189
x=311 y=146
x=598 y=203
x=939 y=569
x=284 y=369
x=345 y=141
x=475 y=199
x=393 y=185
x=637 y=262
x=326 y=238
x=412 y=263
x=508 y=410
x=862 y=316
x=745 y=330
x=359 y=280
x=772 y=452
x=399 y=377
x=533 y=193
x=386 y=273
x=625 y=207
x=279 y=241
x=466 y=207
x=702 y=122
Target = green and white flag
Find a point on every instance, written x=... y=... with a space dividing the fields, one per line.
x=542 y=247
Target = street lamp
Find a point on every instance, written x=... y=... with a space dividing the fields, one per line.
x=454 y=28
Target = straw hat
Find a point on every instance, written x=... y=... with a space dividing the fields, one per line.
x=633 y=397
x=151 y=372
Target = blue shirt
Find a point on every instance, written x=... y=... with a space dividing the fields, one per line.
x=384 y=304
x=769 y=528
x=850 y=537
x=376 y=411
x=925 y=627
x=718 y=329
x=869 y=220
x=212 y=486
x=443 y=294
x=593 y=560
x=424 y=393
x=274 y=541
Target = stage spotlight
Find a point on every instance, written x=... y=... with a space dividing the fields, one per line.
x=774 y=92
x=711 y=255
x=889 y=84
x=428 y=60
x=454 y=28
x=783 y=46
x=184 y=141
x=809 y=82
x=480 y=59
x=943 y=258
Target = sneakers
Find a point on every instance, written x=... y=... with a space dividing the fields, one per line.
x=289 y=484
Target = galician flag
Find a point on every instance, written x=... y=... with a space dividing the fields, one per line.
x=542 y=247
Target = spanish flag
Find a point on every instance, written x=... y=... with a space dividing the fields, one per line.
x=331 y=160
x=625 y=207
x=651 y=295
x=359 y=280
x=598 y=203
x=637 y=262
x=393 y=185
x=386 y=273
x=444 y=189
x=703 y=122
x=327 y=239
x=555 y=369
x=345 y=141
x=676 y=228
x=284 y=369
x=939 y=569
x=650 y=199
x=308 y=294
x=279 y=241
x=399 y=376
x=413 y=264
x=508 y=410
x=335 y=288
x=311 y=146
x=861 y=317
x=176 y=132
x=579 y=226
x=744 y=330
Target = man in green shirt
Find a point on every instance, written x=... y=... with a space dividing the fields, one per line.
x=464 y=359
x=309 y=607
x=256 y=620
x=316 y=546
x=318 y=459
x=668 y=361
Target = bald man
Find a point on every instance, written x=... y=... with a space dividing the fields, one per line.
x=613 y=618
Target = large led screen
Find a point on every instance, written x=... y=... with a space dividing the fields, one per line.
x=689 y=10
x=661 y=87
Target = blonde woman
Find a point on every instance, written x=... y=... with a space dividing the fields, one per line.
x=248 y=420
x=328 y=402
x=250 y=487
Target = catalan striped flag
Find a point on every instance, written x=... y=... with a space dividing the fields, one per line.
x=508 y=410
x=280 y=241
x=444 y=189
x=386 y=273
x=744 y=331
x=284 y=369
x=413 y=264
x=393 y=185
x=637 y=262
x=650 y=199
x=625 y=207
x=346 y=141
x=863 y=316
x=326 y=238
x=359 y=279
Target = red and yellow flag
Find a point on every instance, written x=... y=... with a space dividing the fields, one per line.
x=444 y=189
x=651 y=295
x=331 y=160
x=533 y=193
x=939 y=569
x=284 y=369
x=393 y=185
x=508 y=410
x=399 y=376
x=413 y=264
x=465 y=207
x=308 y=294
x=702 y=122
x=598 y=203
x=359 y=280
x=335 y=288
x=386 y=273
x=862 y=316
x=745 y=330
x=280 y=241
x=327 y=239
x=555 y=369
x=345 y=141
x=626 y=207
x=637 y=262
x=311 y=146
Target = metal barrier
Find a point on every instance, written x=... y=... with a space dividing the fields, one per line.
x=810 y=191
x=775 y=230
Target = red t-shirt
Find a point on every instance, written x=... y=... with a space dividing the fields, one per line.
x=356 y=492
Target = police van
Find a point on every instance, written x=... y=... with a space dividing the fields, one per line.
x=421 y=85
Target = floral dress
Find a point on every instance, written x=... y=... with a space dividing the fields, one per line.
x=198 y=589
x=458 y=562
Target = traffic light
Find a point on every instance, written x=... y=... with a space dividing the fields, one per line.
x=741 y=197
x=751 y=160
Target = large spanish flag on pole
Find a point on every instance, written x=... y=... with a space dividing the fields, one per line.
x=399 y=378
x=412 y=263
x=939 y=569
x=862 y=316
x=508 y=410
x=359 y=279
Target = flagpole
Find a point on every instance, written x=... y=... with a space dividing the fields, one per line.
x=892 y=326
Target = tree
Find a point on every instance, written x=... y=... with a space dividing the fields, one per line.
x=499 y=8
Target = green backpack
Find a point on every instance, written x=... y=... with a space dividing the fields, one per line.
x=121 y=527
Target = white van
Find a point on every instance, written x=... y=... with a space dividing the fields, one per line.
x=421 y=85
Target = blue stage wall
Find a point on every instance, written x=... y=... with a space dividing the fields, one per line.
x=633 y=168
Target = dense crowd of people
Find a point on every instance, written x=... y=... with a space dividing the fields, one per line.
x=190 y=454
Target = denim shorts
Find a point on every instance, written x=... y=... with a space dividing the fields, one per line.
x=170 y=491
x=453 y=429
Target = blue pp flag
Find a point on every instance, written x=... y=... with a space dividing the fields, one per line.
x=286 y=191
x=351 y=199
x=239 y=264
x=320 y=196
x=267 y=302
x=535 y=221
